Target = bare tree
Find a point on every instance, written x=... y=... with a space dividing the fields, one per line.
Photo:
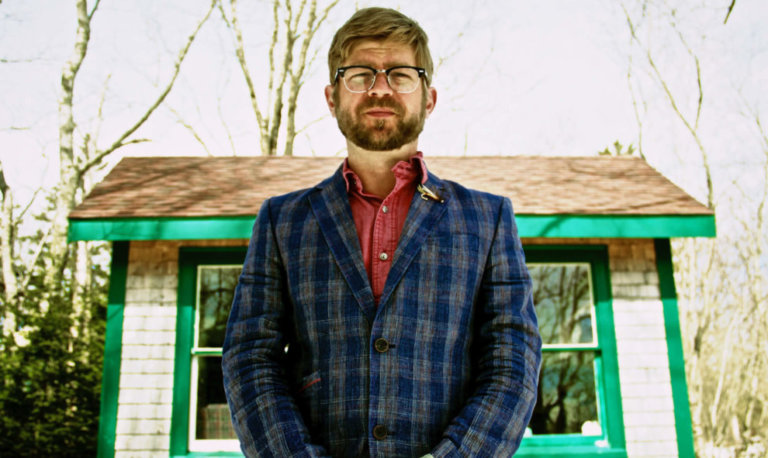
x=50 y=341
x=77 y=158
x=295 y=24
x=7 y=229
x=76 y=163
x=721 y=281
x=691 y=125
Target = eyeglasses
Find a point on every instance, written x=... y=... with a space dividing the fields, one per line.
x=361 y=78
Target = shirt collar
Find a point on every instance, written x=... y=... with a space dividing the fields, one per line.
x=415 y=162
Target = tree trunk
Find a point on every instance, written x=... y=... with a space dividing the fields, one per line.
x=68 y=173
x=7 y=240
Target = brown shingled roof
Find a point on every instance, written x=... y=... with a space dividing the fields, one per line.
x=150 y=187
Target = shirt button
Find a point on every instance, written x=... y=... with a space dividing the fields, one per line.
x=381 y=345
x=383 y=256
x=384 y=209
x=379 y=432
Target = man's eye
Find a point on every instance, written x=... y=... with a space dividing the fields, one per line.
x=359 y=78
x=359 y=75
x=401 y=77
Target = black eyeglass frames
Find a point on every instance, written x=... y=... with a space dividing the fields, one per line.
x=361 y=78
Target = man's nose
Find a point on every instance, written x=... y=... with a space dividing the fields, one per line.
x=381 y=86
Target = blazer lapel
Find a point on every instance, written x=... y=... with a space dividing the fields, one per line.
x=423 y=215
x=331 y=208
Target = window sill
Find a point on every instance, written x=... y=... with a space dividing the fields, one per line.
x=571 y=451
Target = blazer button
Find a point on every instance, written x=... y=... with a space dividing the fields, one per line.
x=381 y=345
x=380 y=432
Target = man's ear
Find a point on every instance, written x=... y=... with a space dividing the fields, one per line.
x=329 y=99
x=431 y=100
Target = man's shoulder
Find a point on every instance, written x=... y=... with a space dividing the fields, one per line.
x=290 y=198
x=298 y=198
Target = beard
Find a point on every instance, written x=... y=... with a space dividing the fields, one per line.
x=382 y=136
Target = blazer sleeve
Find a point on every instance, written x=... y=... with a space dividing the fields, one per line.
x=264 y=412
x=507 y=351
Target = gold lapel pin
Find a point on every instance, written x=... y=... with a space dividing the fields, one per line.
x=427 y=194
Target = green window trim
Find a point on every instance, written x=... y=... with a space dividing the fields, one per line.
x=239 y=227
x=189 y=259
x=683 y=423
x=607 y=376
x=113 y=347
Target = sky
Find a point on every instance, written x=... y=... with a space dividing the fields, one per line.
x=515 y=78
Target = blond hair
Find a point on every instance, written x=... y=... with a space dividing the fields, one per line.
x=379 y=24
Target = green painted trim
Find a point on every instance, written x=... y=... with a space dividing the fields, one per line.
x=207 y=454
x=621 y=226
x=592 y=348
x=113 y=347
x=573 y=451
x=206 y=352
x=606 y=332
x=185 y=323
x=189 y=259
x=683 y=423
x=239 y=227
x=606 y=359
x=232 y=227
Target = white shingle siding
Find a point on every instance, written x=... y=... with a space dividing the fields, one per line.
x=148 y=350
x=149 y=336
x=646 y=389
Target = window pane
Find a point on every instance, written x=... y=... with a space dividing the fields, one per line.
x=217 y=288
x=563 y=301
x=213 y=420
x=567 y=402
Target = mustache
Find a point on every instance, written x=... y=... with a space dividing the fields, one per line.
x=380 y=103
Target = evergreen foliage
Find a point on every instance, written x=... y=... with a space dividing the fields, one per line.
x=50 y=376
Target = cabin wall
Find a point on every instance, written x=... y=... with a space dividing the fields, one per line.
x=149 y=334
x=149 y=337
x=641 y=343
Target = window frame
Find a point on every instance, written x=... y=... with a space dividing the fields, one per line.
x=190 y=259
x=612 y=441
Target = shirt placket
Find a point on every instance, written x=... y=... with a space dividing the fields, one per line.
x=383 y=243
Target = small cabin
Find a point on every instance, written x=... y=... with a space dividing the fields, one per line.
x=596 y=233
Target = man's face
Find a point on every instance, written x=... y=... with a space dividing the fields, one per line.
x=380 y=119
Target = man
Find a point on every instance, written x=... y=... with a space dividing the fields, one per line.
x=384 y=312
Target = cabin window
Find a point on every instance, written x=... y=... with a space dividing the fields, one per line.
x=200 y=419
x=210 y=420
x=579 y=404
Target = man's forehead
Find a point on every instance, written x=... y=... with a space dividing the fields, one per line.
x=381 y=51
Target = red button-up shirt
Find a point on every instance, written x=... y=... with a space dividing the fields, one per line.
x=379 y=222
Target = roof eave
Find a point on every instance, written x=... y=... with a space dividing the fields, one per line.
x=529 y=225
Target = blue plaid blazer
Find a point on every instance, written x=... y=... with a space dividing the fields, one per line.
x=447 y=363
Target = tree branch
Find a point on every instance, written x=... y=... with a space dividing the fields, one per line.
x=313 y=24
x=186 y=125
x=692 y=129
x=730 y=9
x=121 y=141
x=240 y=53
x=93 y=10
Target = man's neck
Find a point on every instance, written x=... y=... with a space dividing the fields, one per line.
x=374 y=168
